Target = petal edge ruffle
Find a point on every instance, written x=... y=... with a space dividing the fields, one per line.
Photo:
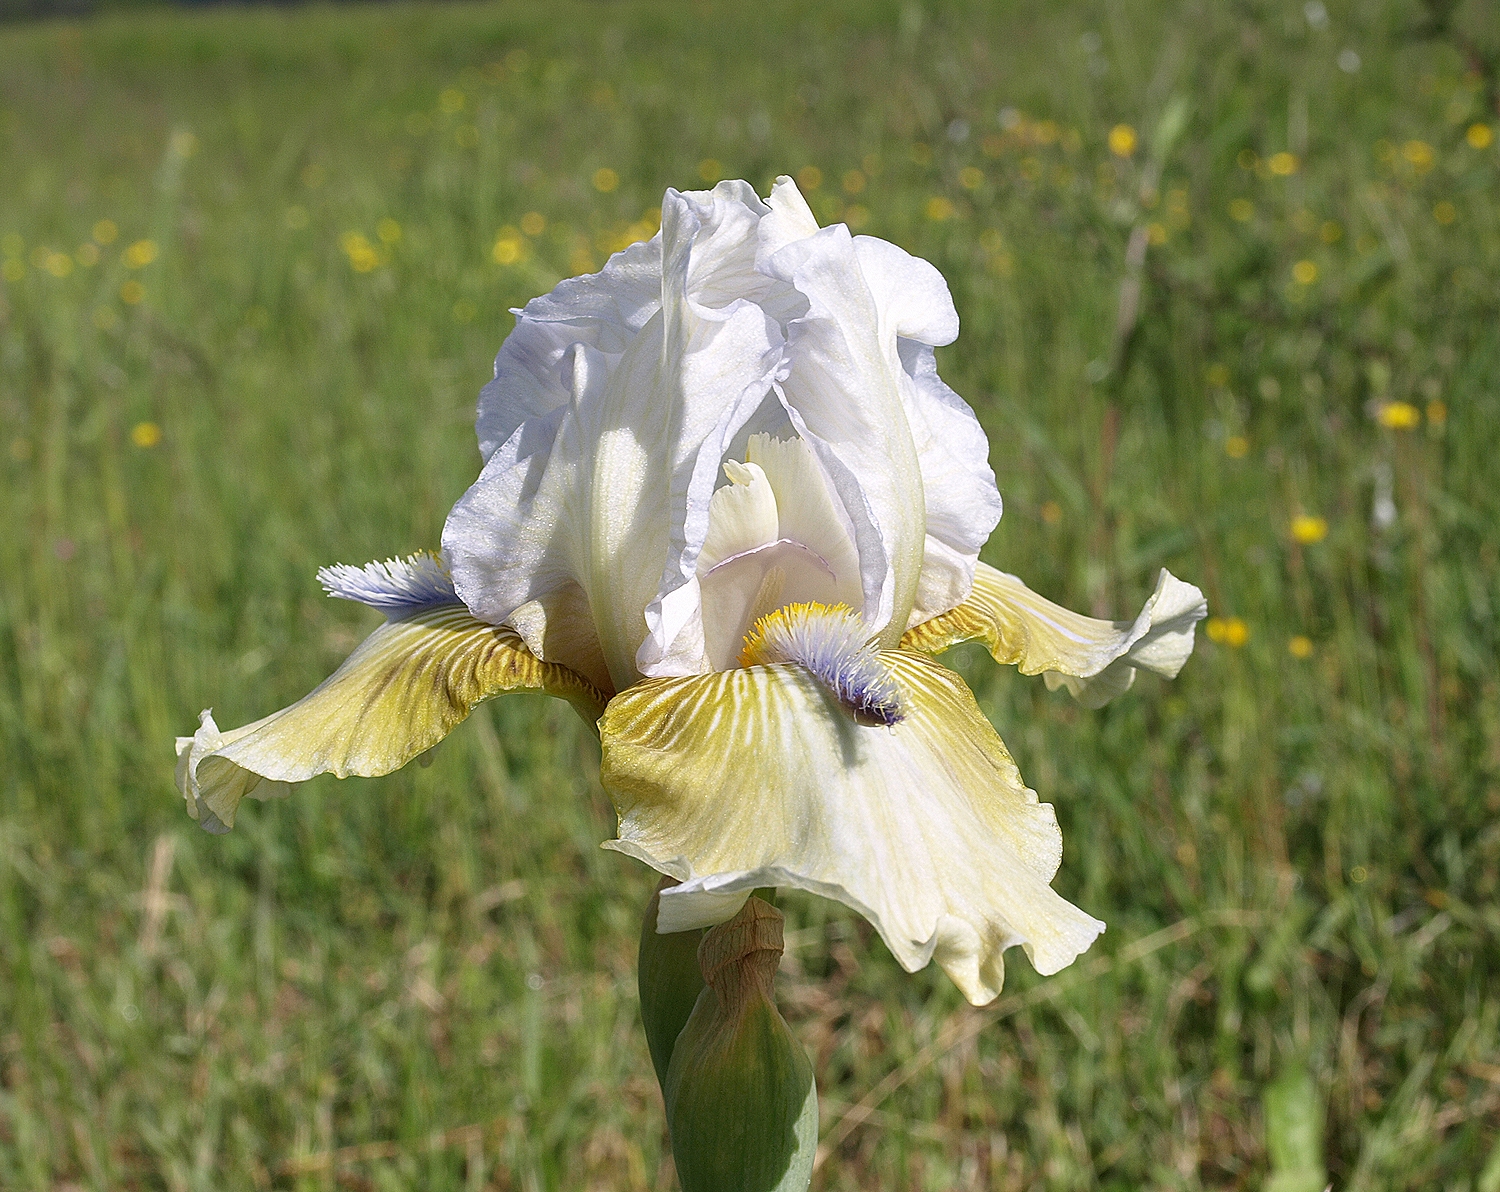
x=756 y=777
x=1095 y=660
x=405 y=687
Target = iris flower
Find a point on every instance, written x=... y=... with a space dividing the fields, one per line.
x=731 y=513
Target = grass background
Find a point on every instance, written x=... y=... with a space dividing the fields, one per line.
x=427 y=981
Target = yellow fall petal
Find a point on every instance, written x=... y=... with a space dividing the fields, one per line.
x=405 y=688
x=758 y=777
x=1095 y=660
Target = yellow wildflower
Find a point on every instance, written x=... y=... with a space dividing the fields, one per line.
x=1122 y=140
x=1308 y=529
x=605 y=180
x=1399 y=415
x=141 y=253
x=145 y=434
x=1227 y=631
x=1479 y=136
x=1300 y=647
x=1284 y=164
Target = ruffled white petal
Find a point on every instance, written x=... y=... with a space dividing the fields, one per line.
x=603 y=311
x=1095 y=660
x=842 y=392
x=611 y=492
x=619 y=396
x=408 y=685
x=962 y=503
x=757 y=777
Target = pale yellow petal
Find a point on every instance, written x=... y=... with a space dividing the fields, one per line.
x=401 y=692
x=1095 y=660
x=741 y=516
x=757 y=777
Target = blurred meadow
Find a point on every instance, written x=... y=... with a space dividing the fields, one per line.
x=1228 y=283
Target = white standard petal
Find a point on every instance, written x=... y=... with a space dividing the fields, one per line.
x=962 y=502
x=603 y=311
x=759 y=777
x=843 y=394
x=611 y=491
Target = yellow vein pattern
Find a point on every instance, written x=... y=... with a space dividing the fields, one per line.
x=1096 y=660
x=405 y=688
x=759 y=777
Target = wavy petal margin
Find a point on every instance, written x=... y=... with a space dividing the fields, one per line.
x=404 y=689
x=1095 y=660
x=756 y=777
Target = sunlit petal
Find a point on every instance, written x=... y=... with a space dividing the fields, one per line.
x=759 y=777
x=1095 y=660
x=401 y=692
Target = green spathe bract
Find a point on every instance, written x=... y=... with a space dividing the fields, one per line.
x=741 y=1103
x=670 y=982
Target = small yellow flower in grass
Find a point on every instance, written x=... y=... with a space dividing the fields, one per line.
x=1399 y=415
x=87 y=254
x=533 y=223
x=605 y=180
x=14 y=269
x=710 y=170
x=855 y=182
x=388 y=230
x=1359 y=875
x=1444 y=212
x=145 y=434
x=809 y=177
x=105 y=231
x=361 y=253
x=939 y=208
x=1227 y=631
x=1304 y=273
x=1308 y=529
x=1236 y=446
x=1300 y=646
x=1437 y=412
x=451 y=101
x=1479 y=136
x=508 y=246
x=1122 y=140
x=1051 y=512
x=1419 y=155
x=971 y=178
x=1284 y=164
x=141 y=253
x=59 y=264
x=1242 y=210
x=132 y=292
